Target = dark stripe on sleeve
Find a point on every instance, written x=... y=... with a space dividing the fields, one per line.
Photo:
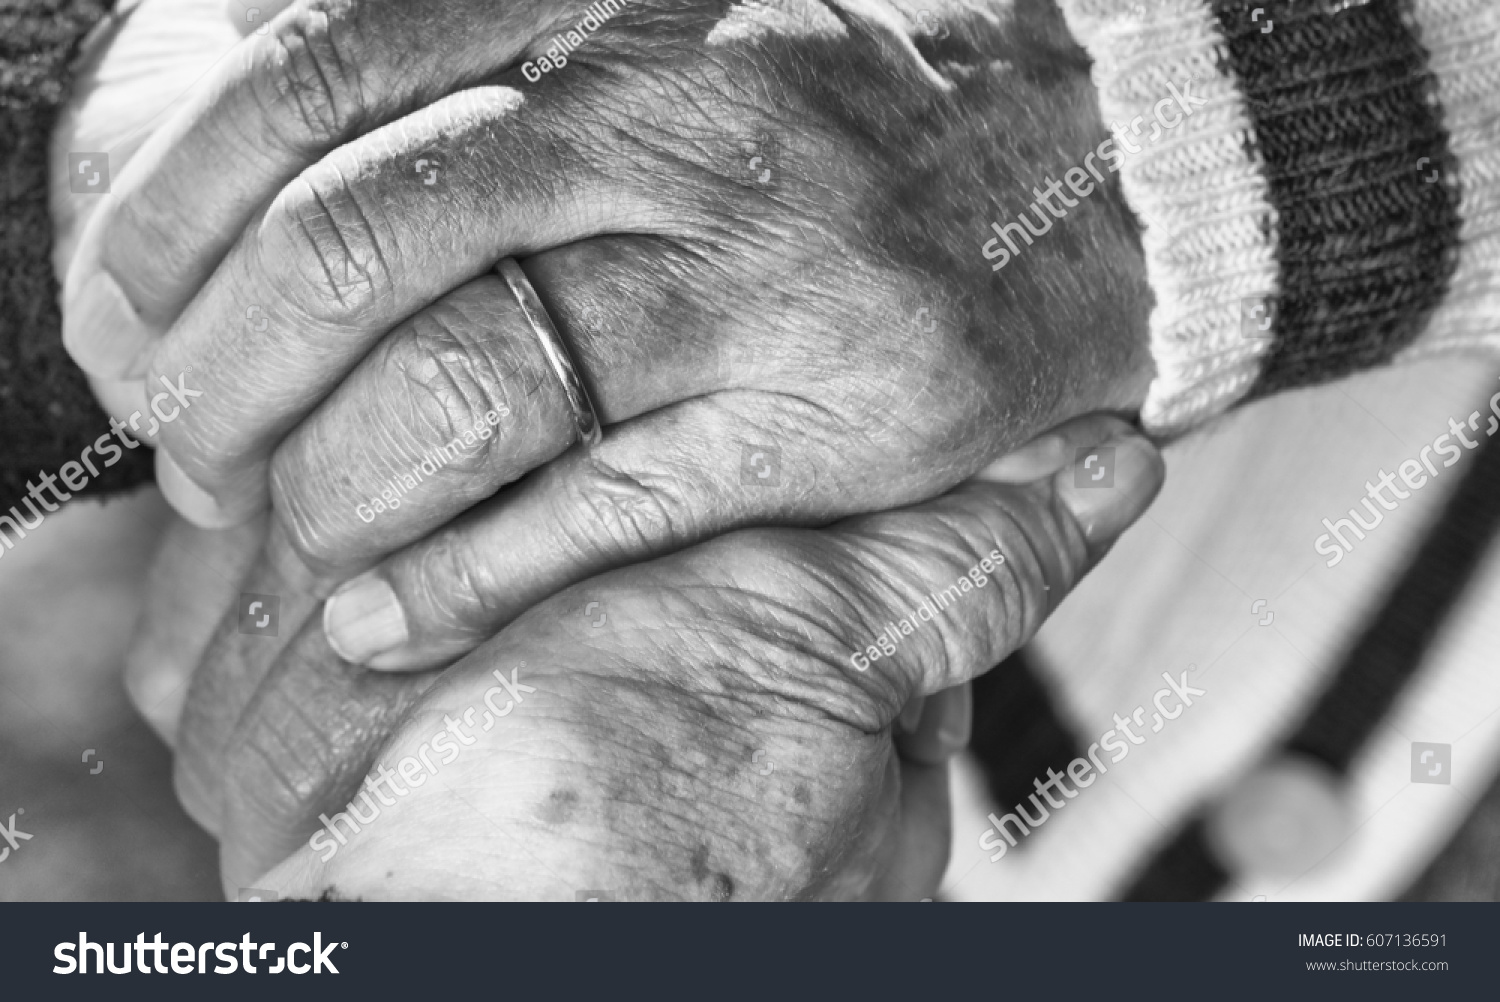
x=1018 y=733
x=1183 y=870
x=1345 y=110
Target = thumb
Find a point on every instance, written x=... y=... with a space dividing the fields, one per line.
x=940 y=592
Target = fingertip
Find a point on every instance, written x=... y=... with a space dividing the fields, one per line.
x=943 y=730
x=253 y=16
x=1108 y=486
x=365 y=623
x=1053 y=450
x=194 y=503
x=102 y=331
x=157 y=687
x=121 y=399
x=956 y=722
x=911 y=716
x=196 y=795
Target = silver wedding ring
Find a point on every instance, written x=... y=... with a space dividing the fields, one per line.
x=584 y=417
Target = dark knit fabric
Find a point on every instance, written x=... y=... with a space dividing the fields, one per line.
x=47 y=413
x=1349 y=130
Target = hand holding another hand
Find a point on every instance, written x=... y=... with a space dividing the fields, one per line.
x=714 y=737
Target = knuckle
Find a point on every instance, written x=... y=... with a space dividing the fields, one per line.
x=314 y=98
x=452 y=587
x=330 y=247
x=450 y=387
x=613 y=514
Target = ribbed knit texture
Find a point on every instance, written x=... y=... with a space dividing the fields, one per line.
x=1207 y=220
x=1342 y=180
x=1350 y=138
x=1462 y=39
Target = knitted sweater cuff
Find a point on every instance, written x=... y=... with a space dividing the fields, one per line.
x=1318 y=184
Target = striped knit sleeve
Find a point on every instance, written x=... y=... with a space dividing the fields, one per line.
x=1318 y=184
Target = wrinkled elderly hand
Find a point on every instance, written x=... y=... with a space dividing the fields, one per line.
x=796 y=311
x=706 y=732
x=338 y=316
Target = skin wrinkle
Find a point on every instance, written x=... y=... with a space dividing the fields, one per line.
x=299 y=53
x=459 y=395
x=326 y=740
x=459 y=592
x=623 y=495
x=887 y=569
x=367 y=275
x=828 y=693
x=728 y=604
x=956 y=554
x=273 y=765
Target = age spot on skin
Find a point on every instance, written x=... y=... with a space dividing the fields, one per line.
x=720 y=885
x=699 y=864
x=559 y=808
x=723 y=888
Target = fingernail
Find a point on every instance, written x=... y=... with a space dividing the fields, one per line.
x=911 y=715
x=1108 y=486
x=942 y=728
x=1041 y=457
x=957 y=719
x=364 y=619
x=101 y=329
x=191 y=501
